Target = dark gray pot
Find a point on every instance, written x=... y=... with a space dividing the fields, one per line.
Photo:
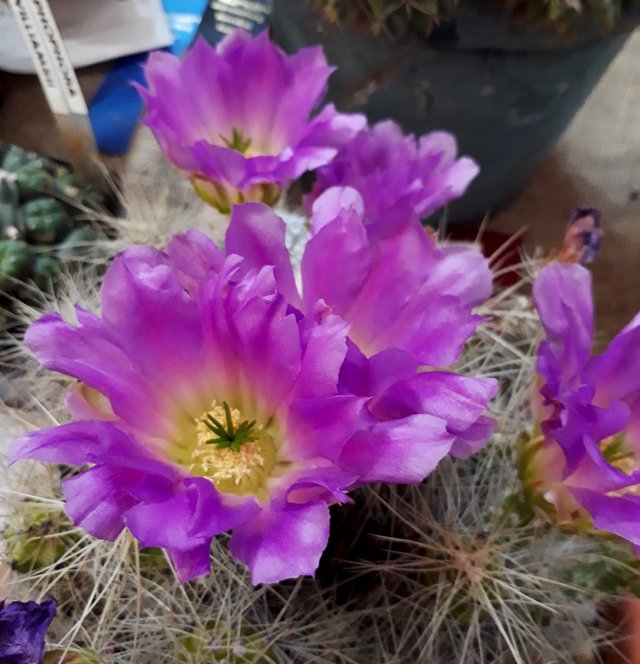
x=505 y=91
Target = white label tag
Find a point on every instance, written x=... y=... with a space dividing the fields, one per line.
x=47 y=49
x=66 y=75
x=39 y=49
x=60 y=85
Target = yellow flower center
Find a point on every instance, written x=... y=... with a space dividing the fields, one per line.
x=237 y=462
x=616 y=451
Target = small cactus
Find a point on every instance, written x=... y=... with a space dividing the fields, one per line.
x=36 y=537
x=81 y=657
x=16 y=261
x=213 y=644
x=42 y=227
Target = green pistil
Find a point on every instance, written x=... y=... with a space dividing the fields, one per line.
x=238 y=142
x=226 y=434
x=616 y=450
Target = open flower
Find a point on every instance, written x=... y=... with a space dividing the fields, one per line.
x=208 y=403
x=408 y=303
x=237 y=117
x=395 y=173
x=23 y=626
x=585 y=464
x=393 y=284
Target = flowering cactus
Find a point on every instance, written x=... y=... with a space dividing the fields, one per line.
x=208 y=403
x=236 y=117
x=395 y=173
x=584 y=462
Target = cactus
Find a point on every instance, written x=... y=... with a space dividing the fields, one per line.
x=42 y=221
x=62 y=657
x=36 y=537
x=212 y=643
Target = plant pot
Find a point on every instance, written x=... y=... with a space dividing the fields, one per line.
x=506 y=91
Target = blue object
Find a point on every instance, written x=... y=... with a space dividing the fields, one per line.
x=116 y=107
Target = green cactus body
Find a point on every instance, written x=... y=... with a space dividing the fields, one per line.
x=9 y=203
x=43 y=211
x=46 y=268
x=75 y=244
x=217 y=643
x=15 y=158
x=16 y=261
x=33 y=179
x=45 y=221
x=81 y=657
x=36 y=537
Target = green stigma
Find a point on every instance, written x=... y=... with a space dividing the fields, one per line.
x=238 y=142
x=226 y=434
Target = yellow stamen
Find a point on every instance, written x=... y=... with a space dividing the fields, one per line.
x=616 y=451
x=240 y=471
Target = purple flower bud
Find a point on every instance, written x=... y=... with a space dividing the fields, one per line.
x=586 y=462
x=238 y=119
x=397 y=174
x=583 y=239
x=23 y=626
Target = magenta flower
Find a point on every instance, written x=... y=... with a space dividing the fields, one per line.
x=236 y=117
x=585 y=464
x=395 y=173
x=408 y=303
x=207 y=403
x=391 y=282
x=23 y=626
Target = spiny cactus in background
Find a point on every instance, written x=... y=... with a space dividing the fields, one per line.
x=421 y=16
x=44 y=221
x=37 y=537
x=80 y=657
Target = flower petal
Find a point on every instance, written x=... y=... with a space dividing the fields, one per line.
x=258 y=235
x=617 y=515
x=90 y=354
x=283 y=544
x=562 y=295
x=404 y=450
x=191 y=516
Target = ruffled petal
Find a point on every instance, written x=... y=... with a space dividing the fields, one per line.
x=343 y=245
x=97 y=499
x=320 y=427
x=283 y=544
x=198 y=126
x=617 y=515
x=616 y=372
x=258 y=235
x=395 y=174
x=458 y=400
x=462 y=271
x=142 y=296
x=91 y=354
x=79 y=443
x=194 y=257
x=372 y=376
x=402 y=451
x=562 y=295
x=191 y=563
x=252 y=340
x=192 y=515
